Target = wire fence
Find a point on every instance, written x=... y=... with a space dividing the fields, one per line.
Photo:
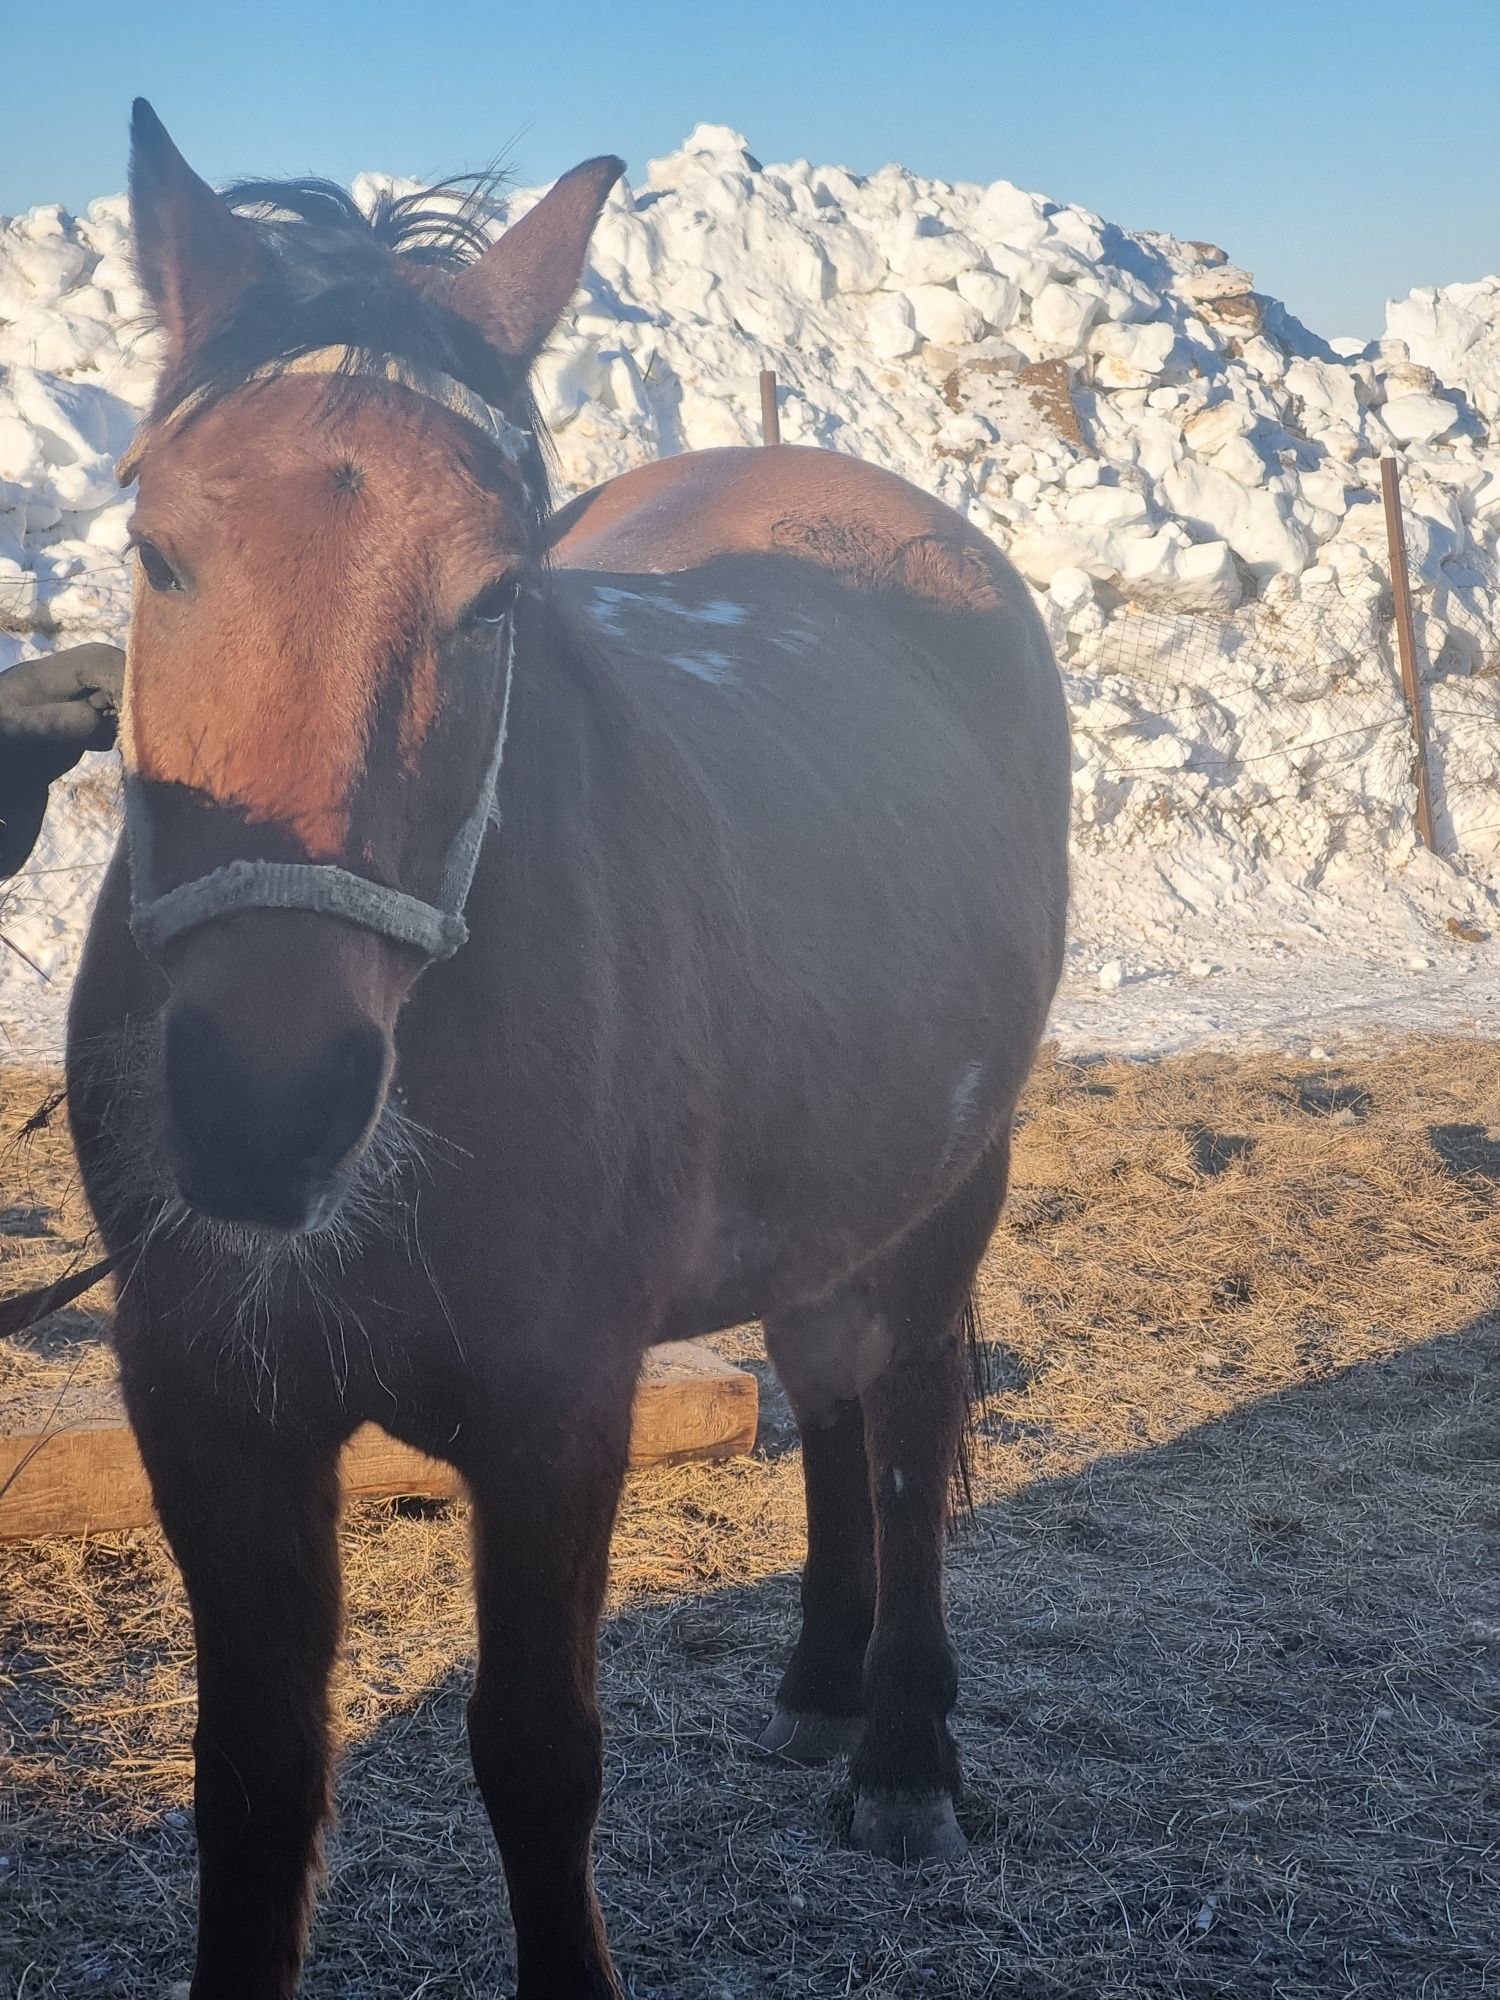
x=1277 y=731
x=1284 y=724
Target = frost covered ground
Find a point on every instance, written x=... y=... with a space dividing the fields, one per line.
x=1186 y=476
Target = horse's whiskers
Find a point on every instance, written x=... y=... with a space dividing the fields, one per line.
x=248 y=1275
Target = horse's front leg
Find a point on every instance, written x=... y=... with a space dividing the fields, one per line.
x=251 y=1516
x=545 y=1482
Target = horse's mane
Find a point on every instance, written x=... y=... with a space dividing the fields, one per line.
x=341 y=276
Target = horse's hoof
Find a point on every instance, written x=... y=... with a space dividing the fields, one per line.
x=907 y=1826
x=811 y=1739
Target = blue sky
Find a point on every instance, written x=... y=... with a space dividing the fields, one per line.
x=1344 y=152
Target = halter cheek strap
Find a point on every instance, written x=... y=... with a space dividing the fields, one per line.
x=435 y=929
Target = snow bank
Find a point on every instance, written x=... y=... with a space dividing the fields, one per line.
x=1186 y=476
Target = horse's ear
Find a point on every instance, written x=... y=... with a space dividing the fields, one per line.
x=521 y=286
x=196 y=257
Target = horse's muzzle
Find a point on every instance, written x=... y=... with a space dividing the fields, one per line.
x=265 y=1143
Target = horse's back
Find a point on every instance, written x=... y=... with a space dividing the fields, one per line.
x=818 y=507
x=846 y=544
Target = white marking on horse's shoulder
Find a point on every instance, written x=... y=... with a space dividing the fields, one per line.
x=716 y=668
x=718 y=611
x=605 y=609
x=793 y=638
x=966 y=1095
x=962 y=1105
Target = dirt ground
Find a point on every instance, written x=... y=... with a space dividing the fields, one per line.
x=1228 y=1613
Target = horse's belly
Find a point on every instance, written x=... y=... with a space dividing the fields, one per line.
x=848 y=1173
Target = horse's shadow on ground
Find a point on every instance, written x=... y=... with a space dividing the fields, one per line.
x=1224 y=1716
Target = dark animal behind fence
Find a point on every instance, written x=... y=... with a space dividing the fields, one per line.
x=760 y=946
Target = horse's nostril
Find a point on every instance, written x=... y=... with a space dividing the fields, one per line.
x=356 y=1076
x=256 y=1135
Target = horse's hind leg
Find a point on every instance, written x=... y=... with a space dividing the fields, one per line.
x=906 y=1769
x=251 y=1515
x=820 y=1702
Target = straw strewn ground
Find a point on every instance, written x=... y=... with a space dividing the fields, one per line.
x=1228 y=1614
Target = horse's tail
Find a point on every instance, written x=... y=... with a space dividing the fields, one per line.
x=981 y=1383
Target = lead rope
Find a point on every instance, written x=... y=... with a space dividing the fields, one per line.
x=23 y=1309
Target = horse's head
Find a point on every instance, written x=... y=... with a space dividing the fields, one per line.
x=341 y=498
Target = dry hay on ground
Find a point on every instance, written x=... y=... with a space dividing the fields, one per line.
x=1228 y=1617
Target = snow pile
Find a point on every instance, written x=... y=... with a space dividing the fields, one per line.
x=1454 y=331
x=1185 y=475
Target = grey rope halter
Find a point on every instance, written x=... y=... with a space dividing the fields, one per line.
x=435 y=929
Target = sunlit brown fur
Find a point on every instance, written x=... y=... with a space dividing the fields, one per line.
x=326 y=540
x=678 y=513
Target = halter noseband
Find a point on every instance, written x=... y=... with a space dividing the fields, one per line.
x=434 y=929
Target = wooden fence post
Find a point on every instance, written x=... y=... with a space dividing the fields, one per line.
x=1406 y=642
x=770 y=416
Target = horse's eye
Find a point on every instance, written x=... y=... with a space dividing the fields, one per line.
x=159 y=572
x=494 y=603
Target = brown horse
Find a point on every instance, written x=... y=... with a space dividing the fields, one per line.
x=764 y=762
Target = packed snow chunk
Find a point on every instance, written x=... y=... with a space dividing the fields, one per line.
x=1325 y=392
x=1131 y=356
x=1217 y=424
x=1215 y=283
x=1168 y=570
x=923 y=251
x=1418 y=419
x=72 y=422
x=41 y=256
x=1257 y=525
x=625 y=250
x=717 y=142
x=1062 y=314
x=1207 y=577
x=1071 y=589
x=566 y=378
x=966 y=433
x=857 y=262
x=942 y=317
x=21 y=457
x=994 y=298
x=891 y=327
x=1106 y=506
x=1455 y=331
x=1007 y=214
x=60 y=342
x=19 y=586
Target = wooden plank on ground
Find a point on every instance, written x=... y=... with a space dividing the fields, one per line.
x=689 y=1404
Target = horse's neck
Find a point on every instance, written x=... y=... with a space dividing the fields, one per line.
x=597 y=795
x=585 y=713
